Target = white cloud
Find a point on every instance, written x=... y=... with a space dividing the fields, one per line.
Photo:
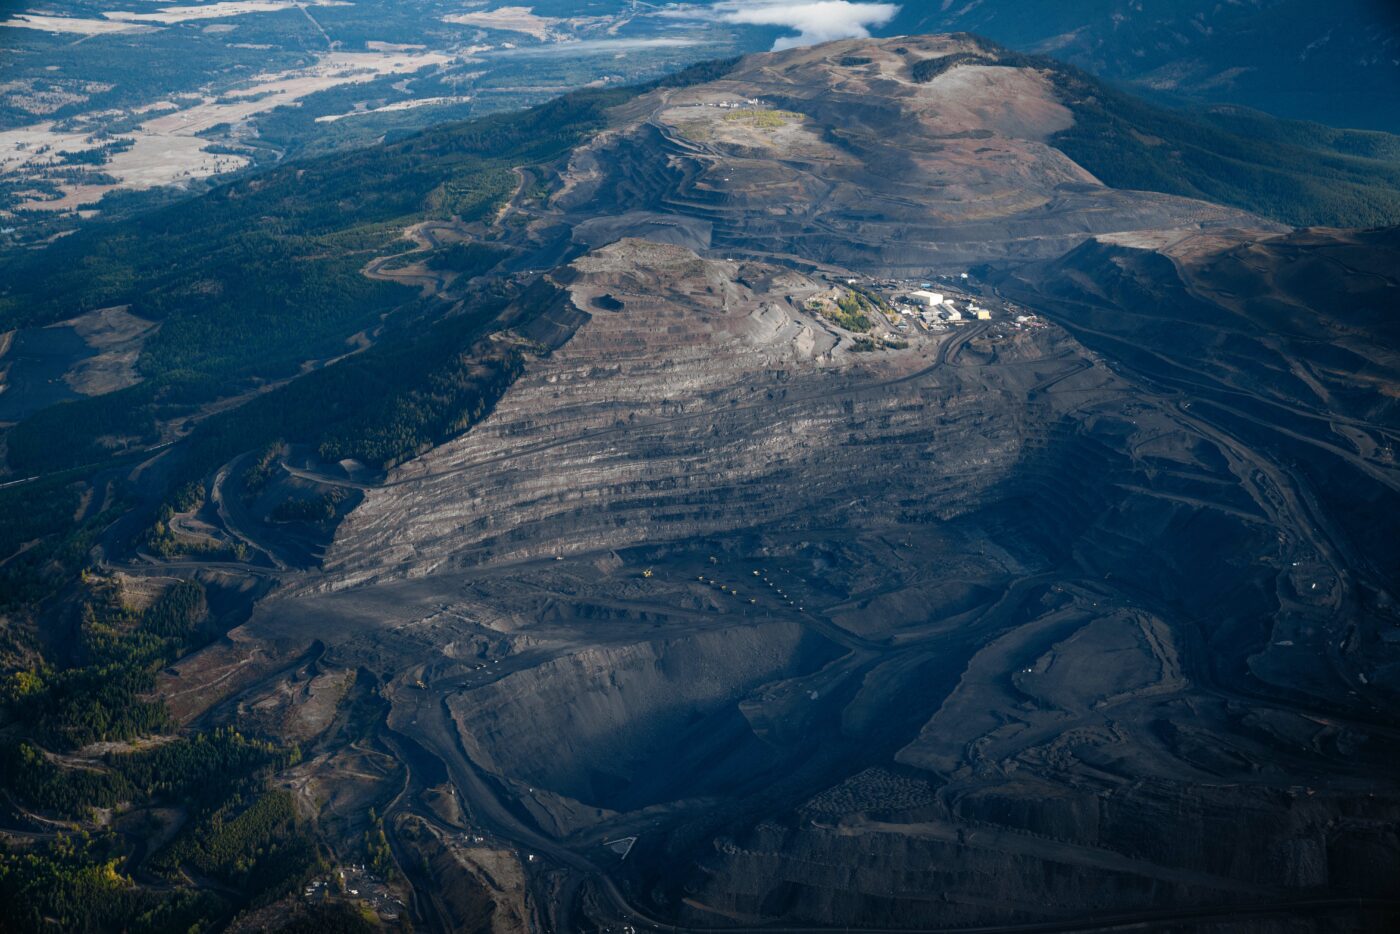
x=591 y=46
x=813 y=20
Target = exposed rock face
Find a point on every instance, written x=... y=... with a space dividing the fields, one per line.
x=691 y=410
x=1009 y=624
x=987 y=564
x=615 y=711
x=600 y=439
x=855 y=163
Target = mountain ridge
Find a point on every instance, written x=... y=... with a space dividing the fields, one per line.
x=656 y=547
x=1336 y=65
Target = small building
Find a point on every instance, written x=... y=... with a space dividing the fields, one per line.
x=982 y=314
x=954 y=315
x=926 y=298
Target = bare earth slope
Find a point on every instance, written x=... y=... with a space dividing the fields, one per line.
x=1073 y=621
x=845 y=158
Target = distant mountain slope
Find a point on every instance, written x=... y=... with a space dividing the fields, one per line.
x=1337 y=63
x=1293 y=171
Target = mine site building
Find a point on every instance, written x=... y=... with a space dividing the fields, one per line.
x=926 y=298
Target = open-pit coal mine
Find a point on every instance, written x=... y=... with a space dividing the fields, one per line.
x=868 y=519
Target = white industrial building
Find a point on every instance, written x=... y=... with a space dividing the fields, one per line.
x=926 y=298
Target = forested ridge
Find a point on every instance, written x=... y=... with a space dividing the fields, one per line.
x=253 y=280
x=248 y=283
x=252 y=285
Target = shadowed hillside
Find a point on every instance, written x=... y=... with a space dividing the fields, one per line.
x=1332 y=63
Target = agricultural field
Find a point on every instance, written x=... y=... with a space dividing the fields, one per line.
x=109 y=107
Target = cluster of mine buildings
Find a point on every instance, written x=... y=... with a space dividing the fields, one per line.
x=952 y=300
x=932 y=307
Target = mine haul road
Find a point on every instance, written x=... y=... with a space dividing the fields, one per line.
x=439 y=735
x=428 y=721
x=1292 y=504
